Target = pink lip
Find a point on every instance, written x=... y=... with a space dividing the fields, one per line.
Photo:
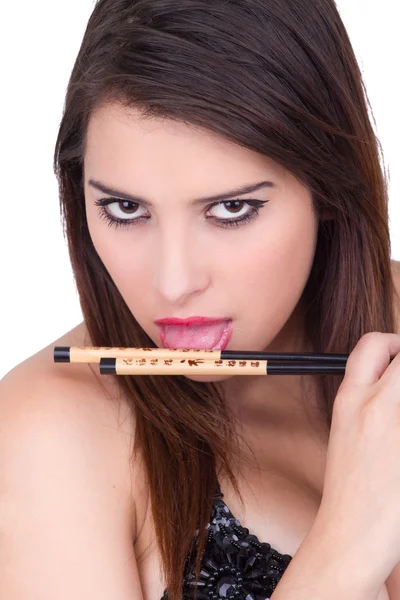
x=189 y=321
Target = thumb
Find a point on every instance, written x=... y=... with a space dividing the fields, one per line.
x=370 y=358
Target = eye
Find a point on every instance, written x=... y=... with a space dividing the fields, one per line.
x=236 y=208
x=243 y=210
x=124 y=210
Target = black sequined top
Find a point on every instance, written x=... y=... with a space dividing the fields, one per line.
x=235 y=564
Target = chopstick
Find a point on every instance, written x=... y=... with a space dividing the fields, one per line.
x=194 y=366
x=93 y=354
x=164 y=361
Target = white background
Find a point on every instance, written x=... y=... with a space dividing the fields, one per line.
x=38 y=46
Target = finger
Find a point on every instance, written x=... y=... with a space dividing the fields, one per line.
x=371 y=357
x=390 y=380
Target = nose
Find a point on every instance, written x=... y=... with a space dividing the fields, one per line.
x=181 y=268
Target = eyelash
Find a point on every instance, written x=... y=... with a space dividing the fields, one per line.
x=112 y=221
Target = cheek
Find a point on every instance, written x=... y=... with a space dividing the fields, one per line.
x=280 y=254
x=121 y=260
x=276 y=269
x=129 y=274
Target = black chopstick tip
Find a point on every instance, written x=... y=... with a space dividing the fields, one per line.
x=62 y=354
x=108 y=366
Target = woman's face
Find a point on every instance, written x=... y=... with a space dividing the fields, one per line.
x=173 y=258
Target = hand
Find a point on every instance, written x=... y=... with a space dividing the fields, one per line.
x=359 y=515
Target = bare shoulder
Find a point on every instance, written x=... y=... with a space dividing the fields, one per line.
x=48 y=405
x=68 y=485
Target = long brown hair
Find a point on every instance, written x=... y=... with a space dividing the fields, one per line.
x=281 y=79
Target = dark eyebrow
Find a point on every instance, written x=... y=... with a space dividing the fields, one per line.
x=244 y=189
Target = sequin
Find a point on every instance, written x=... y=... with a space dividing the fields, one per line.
x=235 y=565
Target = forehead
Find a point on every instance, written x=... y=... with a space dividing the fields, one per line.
x=120 y=136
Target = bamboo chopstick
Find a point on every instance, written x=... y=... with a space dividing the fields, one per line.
x=194 y=366
x=93 y=354
x=164 y=361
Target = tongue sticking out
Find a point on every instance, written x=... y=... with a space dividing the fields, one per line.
x=201 y=337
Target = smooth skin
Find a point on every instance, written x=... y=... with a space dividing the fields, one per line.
x=189 y=265
x=71 y=502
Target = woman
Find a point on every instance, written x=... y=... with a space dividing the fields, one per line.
x=171 y=106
